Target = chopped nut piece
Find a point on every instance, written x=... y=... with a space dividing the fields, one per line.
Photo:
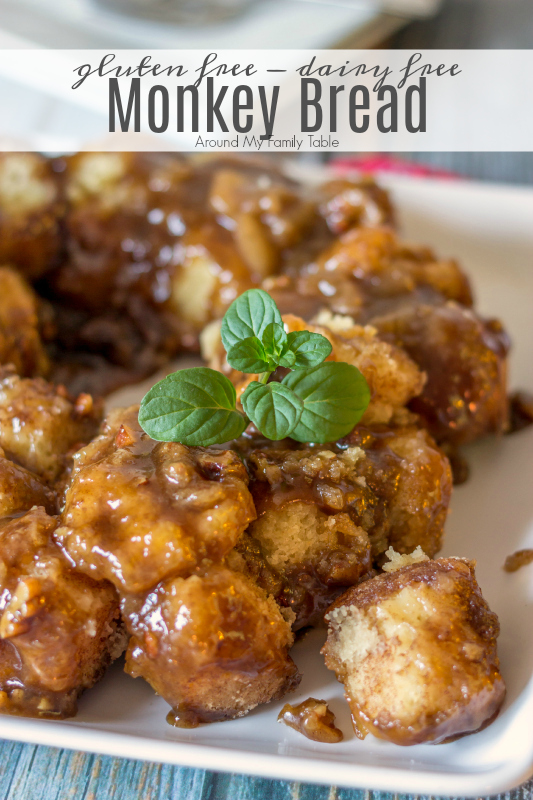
x=84 y=404
x=125 y=436
x=312 y=718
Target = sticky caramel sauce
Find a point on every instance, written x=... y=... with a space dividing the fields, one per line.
x=55 y=624
x=517 y=560
x=520 y=411
x=458 y=463
x=183 y=718
x=361 y=492
x=134 y=235
x=194 y=505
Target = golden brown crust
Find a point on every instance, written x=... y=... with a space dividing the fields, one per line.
x=465 y=359
x=433 y=609
x=327 y=513
x=40 y=424
x=20 y=340
x=30 y=213
x=213 y=645
x=58 y=629
x=137 y=510
x=20 y=489
x=347 y=204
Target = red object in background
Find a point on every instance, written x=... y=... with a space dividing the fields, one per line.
x=376 y=163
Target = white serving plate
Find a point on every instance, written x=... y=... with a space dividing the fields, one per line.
x=490 y=229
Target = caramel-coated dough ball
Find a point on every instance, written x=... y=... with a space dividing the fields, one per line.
x=137 y=510
x=465 y=359
x=327 y=513
x=20 y=334
x=422 y=305
x=59 y=630
x=348 y=204
x=30 y=213
x=213 y=645
x=416 y=652
x=411 y=477
x=40 y=424
x=367 y=266
x=156 y=235
x=20 y=489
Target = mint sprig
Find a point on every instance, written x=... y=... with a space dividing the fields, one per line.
x=317 y=401
x=333 y=396
x=193 y=406
x=247 y=316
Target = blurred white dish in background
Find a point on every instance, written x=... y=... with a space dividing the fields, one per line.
x=267 y=24
x=414 y=8
x=179 y=12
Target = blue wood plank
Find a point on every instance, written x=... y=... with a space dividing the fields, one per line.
x=30 y=772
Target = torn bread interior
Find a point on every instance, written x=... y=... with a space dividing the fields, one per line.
x=415 y=649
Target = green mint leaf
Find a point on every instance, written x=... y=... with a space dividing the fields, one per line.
x=192 y=406
x=247 y=316
x=287 y=359
x=274 y=340
x=310 y=349
x=273 y=408
x=248 y=356
x=335 y=396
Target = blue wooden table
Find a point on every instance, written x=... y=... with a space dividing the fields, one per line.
x=29 y=772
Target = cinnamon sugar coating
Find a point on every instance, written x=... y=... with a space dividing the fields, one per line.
x=416 y=651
